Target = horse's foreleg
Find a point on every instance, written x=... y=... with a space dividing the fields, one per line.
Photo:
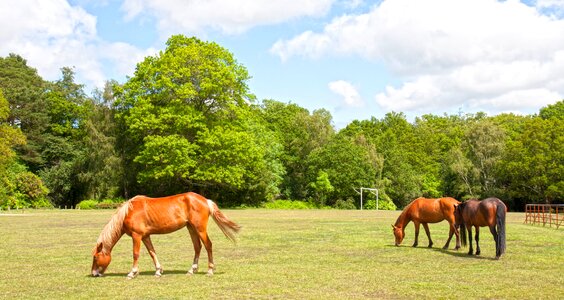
x=426 y=226
x=416 y=242
x=153 y=253
x=478 y=240
x=197 y=248
x=136 y=248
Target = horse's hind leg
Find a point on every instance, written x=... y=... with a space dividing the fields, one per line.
x=471 y=249
x=426 y=226
x=450 y=233
x=208 y=244
x=153 y=253
x=197 y=249
x=497 y=250
x=478 y=241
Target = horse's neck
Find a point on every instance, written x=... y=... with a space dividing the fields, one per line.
x=403 y=219
x=109 y=244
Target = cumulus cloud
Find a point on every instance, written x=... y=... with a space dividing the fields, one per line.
x=449 y=53
x=230 y=17
x=350 y=95
x=54 y=34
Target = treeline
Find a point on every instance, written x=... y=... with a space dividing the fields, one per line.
x=187 y=121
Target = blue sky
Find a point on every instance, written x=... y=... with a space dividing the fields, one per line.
x=357 y=59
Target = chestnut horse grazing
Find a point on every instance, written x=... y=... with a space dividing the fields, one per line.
x=489 y=212
x=142 y=216
x=424 y=211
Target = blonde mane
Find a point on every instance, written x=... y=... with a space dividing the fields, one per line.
x=112 y=232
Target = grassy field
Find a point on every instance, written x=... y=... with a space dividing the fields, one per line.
x=311 y=254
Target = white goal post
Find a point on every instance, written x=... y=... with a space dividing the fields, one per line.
x=372 y=190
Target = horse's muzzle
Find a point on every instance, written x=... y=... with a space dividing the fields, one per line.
x=97 y=274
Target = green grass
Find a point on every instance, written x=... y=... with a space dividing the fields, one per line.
x=312 y=254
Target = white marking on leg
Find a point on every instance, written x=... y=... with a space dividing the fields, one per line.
x=193 y=270
x=159 y=271
x=133 y=273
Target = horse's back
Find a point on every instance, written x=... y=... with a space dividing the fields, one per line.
x=483 y=213
x=164 y=214
x=432 y=210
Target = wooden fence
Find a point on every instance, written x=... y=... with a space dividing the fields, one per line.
x=550 y=214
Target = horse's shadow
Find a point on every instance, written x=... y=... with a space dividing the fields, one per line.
x=462 y=253
x=152 y=273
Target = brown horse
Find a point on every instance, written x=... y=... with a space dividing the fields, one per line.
x=424 y=211
x=489 y=212
x=142 y=216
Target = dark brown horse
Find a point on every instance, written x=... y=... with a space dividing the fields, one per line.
x=489 y=212
x=142 y=216
x=424 y=211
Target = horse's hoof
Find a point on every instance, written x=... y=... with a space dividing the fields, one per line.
x=210 y=273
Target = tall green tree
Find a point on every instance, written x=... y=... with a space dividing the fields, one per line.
x=350 y=163
x=301 y=133
x=25 y=91
x=533 y=166
x=186 y=113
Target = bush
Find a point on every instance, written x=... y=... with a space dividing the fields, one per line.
x=344 y=204
x=288 y=204
x=87 y=204
x=384 y=203
x=104 y=204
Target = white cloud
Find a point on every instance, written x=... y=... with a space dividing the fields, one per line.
x=231 y=17
x=349 y=93
x=449 y=53
x=53 y=34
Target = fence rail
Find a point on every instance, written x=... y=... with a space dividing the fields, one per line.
x=550 y=214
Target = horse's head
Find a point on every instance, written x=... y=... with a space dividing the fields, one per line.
x=399 y=234
x=458 y=208
x=100 y=260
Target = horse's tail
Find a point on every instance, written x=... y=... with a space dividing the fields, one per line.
x=462 y=232
x=500 y=222
x=228 y=227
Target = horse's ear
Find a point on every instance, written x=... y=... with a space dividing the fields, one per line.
x=394 y=227
x=99 y=247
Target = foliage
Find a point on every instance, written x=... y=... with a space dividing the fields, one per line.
x=87 y=204
x=187 y=121
x=384 y=203
x=344 y=204
x=288 y=204
x=321 y=187
x=188 y=110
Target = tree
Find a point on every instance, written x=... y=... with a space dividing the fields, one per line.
x=24 y=89
x=533 y=166
x=555 y=111
x=190 y=125
x=300 y=133
x=349 y=162
x=321 y=187
x=18 y=187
